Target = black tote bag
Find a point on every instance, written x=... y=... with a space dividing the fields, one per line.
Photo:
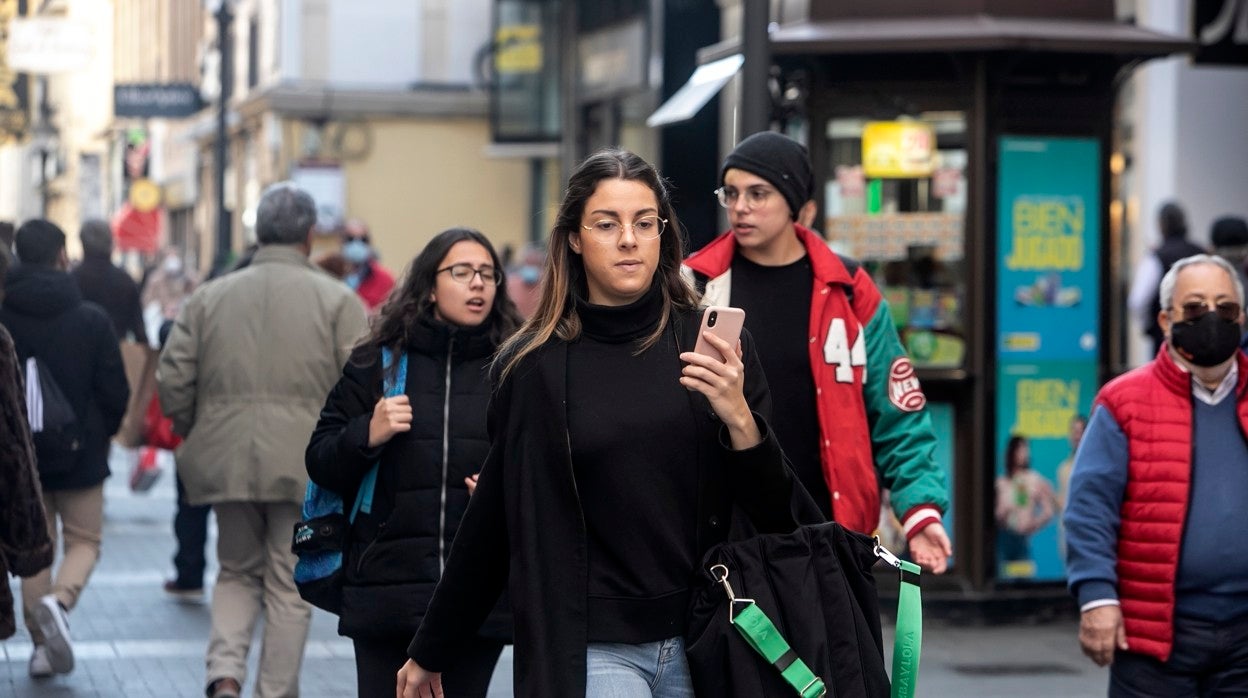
x=816 y=585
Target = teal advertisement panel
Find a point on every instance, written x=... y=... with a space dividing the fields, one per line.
x=1048 y=238
x=1039 y=411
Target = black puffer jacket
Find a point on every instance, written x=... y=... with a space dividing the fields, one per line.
x=48 y=319
x=396 y=552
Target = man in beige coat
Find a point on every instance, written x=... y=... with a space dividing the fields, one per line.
x=243 y=376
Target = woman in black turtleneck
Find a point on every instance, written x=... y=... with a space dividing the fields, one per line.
x=447 y=318
x=616 y=457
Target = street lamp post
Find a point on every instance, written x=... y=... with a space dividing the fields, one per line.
x=225 y=45
x=46 y=140
x=756 y=72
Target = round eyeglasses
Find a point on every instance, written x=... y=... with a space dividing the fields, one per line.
x=644 y=228
x=464 y=272
x=754 y=196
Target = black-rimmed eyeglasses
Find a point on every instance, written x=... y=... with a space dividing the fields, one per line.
x=464 y=272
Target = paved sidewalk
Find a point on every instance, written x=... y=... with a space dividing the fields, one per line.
x=132 y=641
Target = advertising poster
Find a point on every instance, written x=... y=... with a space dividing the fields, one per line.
x=1041 y=409
x=1048 y=342
x=1048 y=233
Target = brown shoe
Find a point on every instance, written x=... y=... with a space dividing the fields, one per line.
x=224 y=688
x=185 y=595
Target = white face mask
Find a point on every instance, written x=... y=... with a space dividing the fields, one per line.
x=172 y=265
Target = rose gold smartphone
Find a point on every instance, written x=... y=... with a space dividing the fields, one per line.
x=724 y=322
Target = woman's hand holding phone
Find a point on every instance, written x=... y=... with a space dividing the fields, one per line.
x=722 y=382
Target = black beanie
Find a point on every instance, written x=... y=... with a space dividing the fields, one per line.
x=778 y=159
x=1229 y=231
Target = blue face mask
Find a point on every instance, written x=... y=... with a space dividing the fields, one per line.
x=357 y=252
x=530 y=274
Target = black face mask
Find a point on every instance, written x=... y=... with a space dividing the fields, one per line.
x=1206 y=341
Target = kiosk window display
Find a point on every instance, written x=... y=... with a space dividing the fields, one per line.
x=896 y=202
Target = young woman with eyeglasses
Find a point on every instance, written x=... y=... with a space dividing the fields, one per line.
x=448 y=317
x=616 y=457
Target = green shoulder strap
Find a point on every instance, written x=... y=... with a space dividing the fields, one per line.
x=765 y=638
x=908 y=635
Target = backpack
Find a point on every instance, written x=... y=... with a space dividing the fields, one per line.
x=321 y=536
x=54 y=426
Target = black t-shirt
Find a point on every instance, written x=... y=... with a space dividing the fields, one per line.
x=776 y=301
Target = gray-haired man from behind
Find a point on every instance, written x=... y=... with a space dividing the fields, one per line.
x=243 y=376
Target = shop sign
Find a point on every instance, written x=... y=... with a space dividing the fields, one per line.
x=155 y=101
x=613 y=60
x=49 y=44
x=898 y=149
x=518 y=49
x=14 y=89
x=1221 y=28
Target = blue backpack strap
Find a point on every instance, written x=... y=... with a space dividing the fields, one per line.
x=394 y=385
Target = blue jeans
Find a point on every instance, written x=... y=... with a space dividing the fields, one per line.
x=649 y=670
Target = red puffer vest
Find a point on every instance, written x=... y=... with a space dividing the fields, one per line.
x=1153 y=406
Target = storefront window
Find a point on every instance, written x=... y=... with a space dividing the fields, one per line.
x=895 y=201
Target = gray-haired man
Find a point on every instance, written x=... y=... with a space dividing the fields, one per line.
x=243 y=376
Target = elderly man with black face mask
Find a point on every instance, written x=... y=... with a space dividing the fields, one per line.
x=1160 y=570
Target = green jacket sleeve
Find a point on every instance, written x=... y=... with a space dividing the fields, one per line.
x=901 y=435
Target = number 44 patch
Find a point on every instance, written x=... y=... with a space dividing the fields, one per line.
x=837 y=351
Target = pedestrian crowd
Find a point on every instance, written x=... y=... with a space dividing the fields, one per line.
x=543 y=453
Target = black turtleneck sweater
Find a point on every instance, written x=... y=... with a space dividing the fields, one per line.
x=634 y=455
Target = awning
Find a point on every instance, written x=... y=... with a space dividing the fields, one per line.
x=973 y=33
x=705 y=83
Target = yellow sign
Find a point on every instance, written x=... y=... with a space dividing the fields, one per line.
x=898 y=149
x=1048 y=233
x=518 y=49
x=1045 y=407
x=144 y=195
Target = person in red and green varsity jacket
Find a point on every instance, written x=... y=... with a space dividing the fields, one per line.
x=848 y=408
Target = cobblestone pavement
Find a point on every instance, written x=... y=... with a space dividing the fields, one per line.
x=132 y=641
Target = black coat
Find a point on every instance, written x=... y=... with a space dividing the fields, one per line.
x=395 y=555
x=48 y=319
x=25 y=547
x=113 y=290
x=524 y=524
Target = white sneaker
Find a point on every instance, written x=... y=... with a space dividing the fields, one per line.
x=54 y=625
x=40 y=668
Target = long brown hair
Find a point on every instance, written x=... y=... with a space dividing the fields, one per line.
x=564 y=271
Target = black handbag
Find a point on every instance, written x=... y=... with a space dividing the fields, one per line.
x=796 y=614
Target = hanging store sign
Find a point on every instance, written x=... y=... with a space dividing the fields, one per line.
x=14 y=86
x=613 y=61
x=898 y=149
x=152 y=101
x=518 y=49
